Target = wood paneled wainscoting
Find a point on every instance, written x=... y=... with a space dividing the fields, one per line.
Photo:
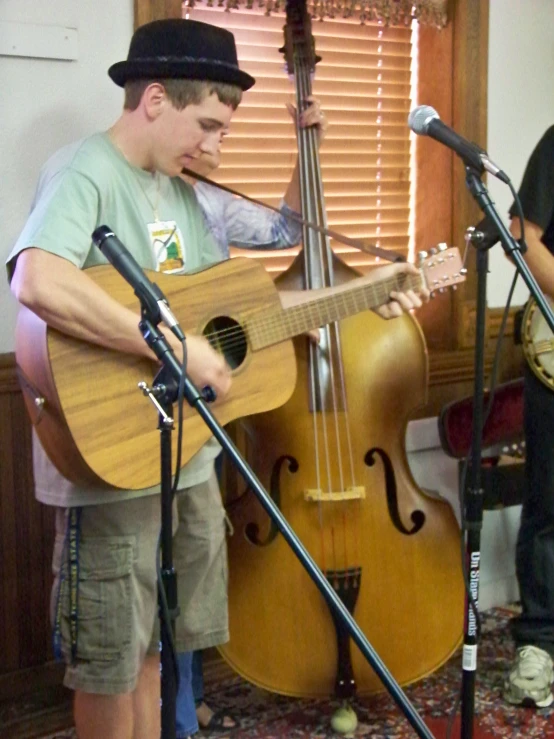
x=26 y=541
x=27 y=527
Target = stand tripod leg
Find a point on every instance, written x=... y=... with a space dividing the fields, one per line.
x=473 y=509
x=167 y=589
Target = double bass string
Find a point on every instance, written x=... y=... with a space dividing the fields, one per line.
x=302 y=92
x=334 y=331
x=307 y=182
x=312 y=170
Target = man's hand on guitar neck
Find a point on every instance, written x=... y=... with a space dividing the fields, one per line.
x=397 y=302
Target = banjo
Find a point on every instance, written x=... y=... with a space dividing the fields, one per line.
x=538 y=343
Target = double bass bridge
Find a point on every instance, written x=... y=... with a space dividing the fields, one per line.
x=315 y=495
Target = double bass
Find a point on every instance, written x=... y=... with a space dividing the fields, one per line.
x=334 y=462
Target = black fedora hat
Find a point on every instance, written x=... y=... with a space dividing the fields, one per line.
x=179 y=48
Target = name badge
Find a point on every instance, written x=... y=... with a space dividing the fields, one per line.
x=168 y=246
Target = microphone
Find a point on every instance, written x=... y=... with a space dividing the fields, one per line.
x=149 y=294
x=425 y=121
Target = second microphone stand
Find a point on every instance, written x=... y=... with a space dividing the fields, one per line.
x=472 y=511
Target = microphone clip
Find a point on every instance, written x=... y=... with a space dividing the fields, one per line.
x=485 y=235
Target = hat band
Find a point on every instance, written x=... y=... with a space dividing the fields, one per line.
x=181 y=60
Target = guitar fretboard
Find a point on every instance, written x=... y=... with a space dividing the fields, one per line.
x=279 y=325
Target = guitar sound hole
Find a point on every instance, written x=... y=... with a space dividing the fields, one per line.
x=227 y=337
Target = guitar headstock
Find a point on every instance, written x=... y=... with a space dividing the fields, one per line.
x=441 y=267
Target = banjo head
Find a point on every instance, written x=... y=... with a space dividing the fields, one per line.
x=538 y=343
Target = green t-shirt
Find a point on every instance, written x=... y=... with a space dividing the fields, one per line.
x=89 y=184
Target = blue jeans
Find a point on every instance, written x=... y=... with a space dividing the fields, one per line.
x=535 y=544
x=185 y=713
x=191 y=692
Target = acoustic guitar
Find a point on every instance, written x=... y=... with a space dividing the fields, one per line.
x=85 y=403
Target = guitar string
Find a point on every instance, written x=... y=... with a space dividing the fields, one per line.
x=233 y=338
x=380 y=292
x=271 y=322
x=236 y=333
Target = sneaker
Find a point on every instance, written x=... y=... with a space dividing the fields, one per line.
x=530 y=678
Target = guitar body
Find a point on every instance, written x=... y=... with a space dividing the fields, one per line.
x=96 y=425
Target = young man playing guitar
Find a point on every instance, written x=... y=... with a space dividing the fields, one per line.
x=182 y=83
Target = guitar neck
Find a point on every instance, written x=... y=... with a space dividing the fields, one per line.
x=273 y=327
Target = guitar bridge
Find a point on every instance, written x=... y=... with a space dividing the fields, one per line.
x=318 y=496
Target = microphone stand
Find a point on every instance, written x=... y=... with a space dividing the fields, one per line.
x=173 y=370
x=473 y=495
x=163 y=394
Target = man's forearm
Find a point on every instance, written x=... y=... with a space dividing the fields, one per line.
x=292 y=193
x=539 y=260
x=69 y=301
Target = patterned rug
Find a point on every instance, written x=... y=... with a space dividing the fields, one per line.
x=267 y=716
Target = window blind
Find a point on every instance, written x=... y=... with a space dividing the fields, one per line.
x=364 y=84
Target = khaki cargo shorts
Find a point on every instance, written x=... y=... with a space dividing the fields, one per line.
x=116 y=621
x=200 y=556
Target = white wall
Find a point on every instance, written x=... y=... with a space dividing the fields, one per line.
x=46 y=103
x=520 y=109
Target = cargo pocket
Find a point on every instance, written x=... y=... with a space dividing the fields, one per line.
x=105 y=609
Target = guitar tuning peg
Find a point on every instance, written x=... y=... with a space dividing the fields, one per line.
x=442 y=246
x=422 y=256
x=463 y=271
x=432 y=252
